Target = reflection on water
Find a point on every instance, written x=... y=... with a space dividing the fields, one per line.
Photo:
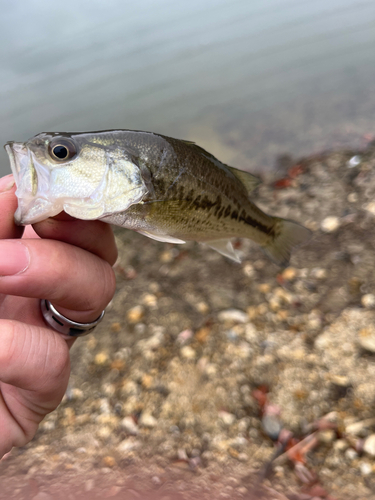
x=249 y=80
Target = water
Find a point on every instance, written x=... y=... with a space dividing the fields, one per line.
x=246 y=80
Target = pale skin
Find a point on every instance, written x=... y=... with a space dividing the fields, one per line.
x=68 y=262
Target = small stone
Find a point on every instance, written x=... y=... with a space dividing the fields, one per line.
x=360 y=428
x=289 y=274
x=366 y=338
x=128 y=445
x=351 y=454
x=185 y=336
x=352 y=197
x=330 y=224
x=368 y=300
x=202 y=307
x=101 y=358
x=264 y=288
x=116 y=327
x=150 y=300
x=147 y=420
x=340 y=445
x=129 y=426
x=318 y=273
x=202 y=334
x=370 y=207
x=272 y=426
x=369 y=445
x=109 y=461
x=354 y=161
x=327 y=436
x=227 y=418
x=135 y=314
x=233 y=316
x=187 y=352
x=365 y=468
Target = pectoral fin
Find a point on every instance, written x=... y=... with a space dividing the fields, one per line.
x=224 y=247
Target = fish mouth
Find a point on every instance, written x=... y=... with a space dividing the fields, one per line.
x=17 y=153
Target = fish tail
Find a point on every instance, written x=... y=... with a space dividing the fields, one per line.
x=287 y=235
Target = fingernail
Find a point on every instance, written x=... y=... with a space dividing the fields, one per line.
x=14 y=258
x=6 y=183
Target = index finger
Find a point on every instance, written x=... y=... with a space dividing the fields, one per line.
x=8 y=205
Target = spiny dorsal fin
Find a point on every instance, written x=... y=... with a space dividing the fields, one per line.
x=248 y=180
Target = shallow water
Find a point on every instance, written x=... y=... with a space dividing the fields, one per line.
x=247 y=80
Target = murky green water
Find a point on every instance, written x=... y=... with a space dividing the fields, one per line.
x=247 y=79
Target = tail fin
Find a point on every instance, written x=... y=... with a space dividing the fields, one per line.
x=288 y=234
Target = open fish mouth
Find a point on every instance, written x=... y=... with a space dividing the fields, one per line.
x=18 y=156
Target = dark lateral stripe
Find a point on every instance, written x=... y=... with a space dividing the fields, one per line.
x=204 y=203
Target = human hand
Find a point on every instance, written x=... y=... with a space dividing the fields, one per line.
x=68 y=262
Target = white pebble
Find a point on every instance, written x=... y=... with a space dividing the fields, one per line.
x=370 y=207
x=369 y=445
x=365 y=468
x=354 y=161
x=129 y=426
x=233 y=315
x=187 y=352
x=147 y=420
x=330 y=224
x=368 y=300
x=227 y=418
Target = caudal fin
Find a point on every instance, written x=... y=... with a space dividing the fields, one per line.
x=288 y=235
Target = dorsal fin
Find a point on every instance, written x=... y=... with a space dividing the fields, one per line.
x=250 y=181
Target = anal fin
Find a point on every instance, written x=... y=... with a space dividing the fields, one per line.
x=224 y=247
x=162 y=237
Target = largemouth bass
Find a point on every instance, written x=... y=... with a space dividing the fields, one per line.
x=167 y=189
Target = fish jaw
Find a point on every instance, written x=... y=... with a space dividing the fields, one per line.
x=32 y=207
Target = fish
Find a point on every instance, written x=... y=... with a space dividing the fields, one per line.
x=168 y=189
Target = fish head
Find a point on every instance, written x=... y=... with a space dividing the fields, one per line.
x=84 y=175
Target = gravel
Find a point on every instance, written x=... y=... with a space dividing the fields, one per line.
x=161 y=399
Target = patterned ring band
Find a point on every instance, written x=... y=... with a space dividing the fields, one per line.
x=65 y=325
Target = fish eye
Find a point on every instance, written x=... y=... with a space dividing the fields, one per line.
x=62 y=149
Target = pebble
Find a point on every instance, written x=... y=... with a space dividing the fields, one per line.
x=109 y=461
x=135 y=314
x=365 y=468
x=370 y=207
x=368 y=300
x=188 y=352
x=227 y=418
x=147 y=420
x=354 y=161
x=352 y=197
x=101 y=358
x=360 y=428
x=330 y=224
x=289 y=273
x=369 y=445
x=129 y=426
x=366 y=338
x=127 y=445
x=233 y=315
x=327 y=436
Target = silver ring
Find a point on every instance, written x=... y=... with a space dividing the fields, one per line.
x=65 y=325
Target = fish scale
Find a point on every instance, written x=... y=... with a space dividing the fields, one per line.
x=165 y=188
